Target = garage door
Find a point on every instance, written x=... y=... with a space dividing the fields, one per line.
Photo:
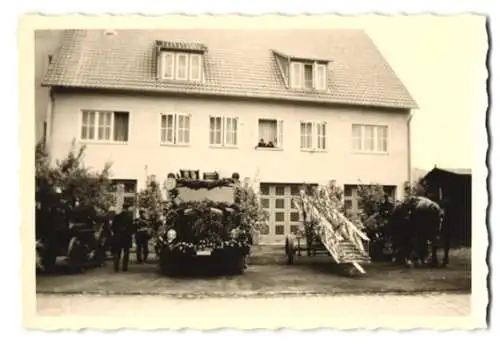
x=284 y=218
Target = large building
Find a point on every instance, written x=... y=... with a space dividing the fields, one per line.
x=282 y=107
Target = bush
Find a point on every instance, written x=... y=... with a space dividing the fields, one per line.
x=150 y=200
x=69 y=182
x=376 y=208
x=254 y=218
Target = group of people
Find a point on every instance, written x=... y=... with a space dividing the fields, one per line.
x=123 y=229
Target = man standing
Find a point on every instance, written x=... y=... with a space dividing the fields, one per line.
x=123 y=229
x=142 y=237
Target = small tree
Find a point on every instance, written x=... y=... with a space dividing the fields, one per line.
x=150 y=200
x=376 y=208
x=70 y=182
x=254 y=218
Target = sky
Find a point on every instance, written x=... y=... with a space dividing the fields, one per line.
x=441 y=61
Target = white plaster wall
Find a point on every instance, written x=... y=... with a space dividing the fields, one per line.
x=287 y=165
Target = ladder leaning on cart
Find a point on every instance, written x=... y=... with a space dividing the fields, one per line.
x=340 y=240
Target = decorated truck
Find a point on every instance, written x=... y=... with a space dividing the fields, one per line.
x=203 y=221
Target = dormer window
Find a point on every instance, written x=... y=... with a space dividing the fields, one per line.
x=303 y=72
x=181 y=66
x=180 y=61
x=308 y=75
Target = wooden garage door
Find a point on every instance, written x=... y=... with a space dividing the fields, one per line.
x=284 y=218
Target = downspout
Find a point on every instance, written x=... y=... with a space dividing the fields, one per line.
x=408 y=128
x=48 y=120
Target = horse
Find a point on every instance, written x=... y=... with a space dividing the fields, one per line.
x=414 y=223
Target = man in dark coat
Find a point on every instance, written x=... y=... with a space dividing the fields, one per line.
x=123 y=229
x=142 y=236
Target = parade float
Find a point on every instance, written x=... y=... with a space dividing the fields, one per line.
x=204 y=220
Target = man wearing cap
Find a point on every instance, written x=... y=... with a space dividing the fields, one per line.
x=123 y=229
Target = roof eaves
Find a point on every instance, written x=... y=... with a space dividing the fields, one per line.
x=181 y=46
x=303 y=58
x=241 y=94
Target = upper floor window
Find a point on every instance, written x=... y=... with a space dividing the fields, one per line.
x=270 y=133
x=223 y=131
x=308 y=75
x=370 y=138
x=313 y=136
x=104 y=126
x=175 y=129
x=181 y=66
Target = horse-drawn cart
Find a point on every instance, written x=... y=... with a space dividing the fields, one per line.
x=326 y=231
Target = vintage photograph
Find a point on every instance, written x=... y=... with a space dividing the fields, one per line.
x=326 y=165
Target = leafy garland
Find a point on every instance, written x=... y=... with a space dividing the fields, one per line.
x=204 y=184
x=205 y=224
x=191 y=248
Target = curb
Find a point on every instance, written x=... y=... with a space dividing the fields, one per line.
x=274 y=294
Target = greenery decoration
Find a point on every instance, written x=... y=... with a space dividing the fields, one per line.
x=151 y=201
x=204 y=184
x=69 y=183
x=209 y=224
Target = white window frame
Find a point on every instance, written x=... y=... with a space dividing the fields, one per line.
x=95 y=126
x=313 y=75
x=320 y=69
x=224 y=142
x=296 y=80
x=175 y=129
x=279 y=133
x=236 y=121
x=192 y=66
x=315 y=136
x=177 y=64
x=216 y=131
x=164 y=56
x=376 y=128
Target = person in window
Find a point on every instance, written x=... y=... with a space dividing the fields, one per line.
x=262 y=143
x=142 y=236
x=123 y=229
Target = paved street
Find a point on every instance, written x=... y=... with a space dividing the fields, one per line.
x=309 y=276
x=160 y=311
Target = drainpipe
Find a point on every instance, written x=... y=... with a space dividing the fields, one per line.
x=48 y=121
x=408 y=128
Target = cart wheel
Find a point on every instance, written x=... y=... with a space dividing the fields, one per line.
x=290 y=250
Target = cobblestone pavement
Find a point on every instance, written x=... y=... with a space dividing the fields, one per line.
x=364 y=310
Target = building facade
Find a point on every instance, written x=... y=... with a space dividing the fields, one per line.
x=264 y=105
x=46 y=44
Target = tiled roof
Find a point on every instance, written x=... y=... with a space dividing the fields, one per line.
x=237 y=63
